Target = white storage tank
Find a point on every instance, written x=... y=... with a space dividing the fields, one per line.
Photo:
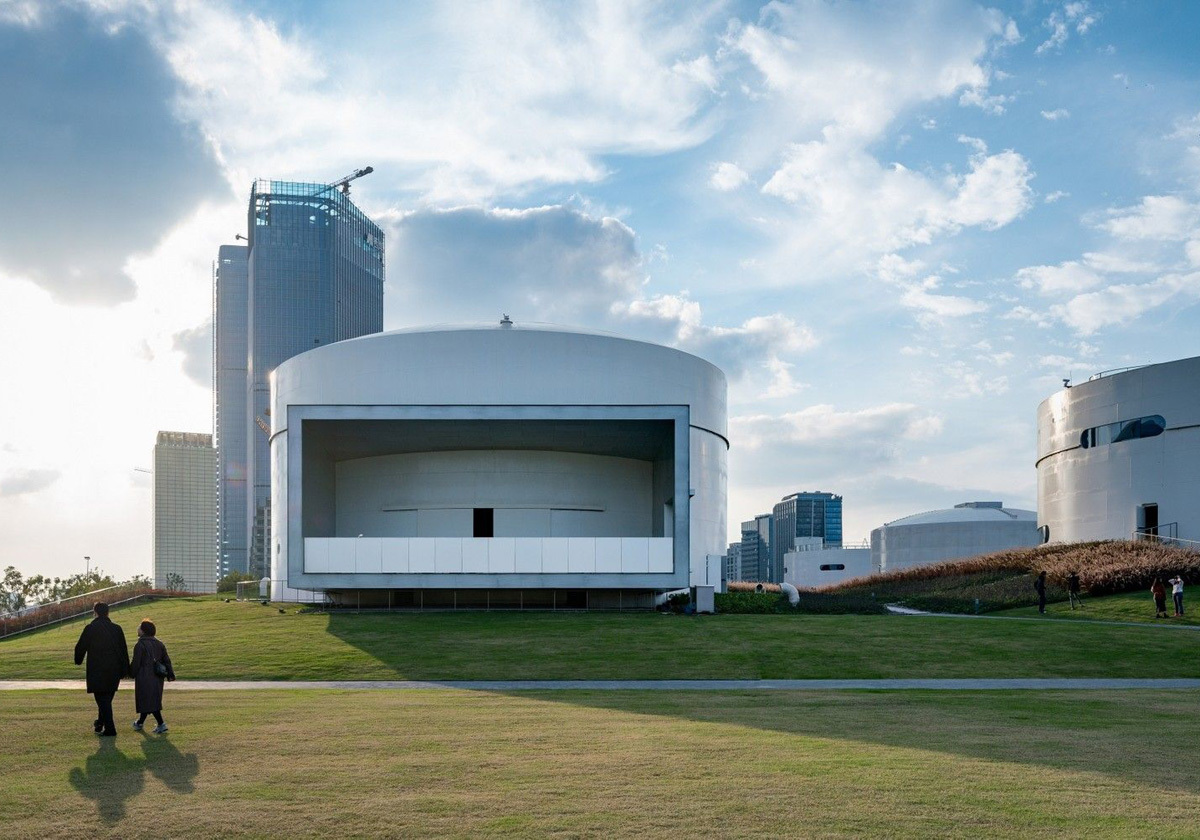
x=965 y=530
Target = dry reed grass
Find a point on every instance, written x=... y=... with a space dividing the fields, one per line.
x=1104 y=568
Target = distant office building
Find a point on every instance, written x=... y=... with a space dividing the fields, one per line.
x=755 y=554
x=185 y=507
x=965 y=530
x=1118 y=456
x=231 y=313
x=733 y=562
x=313 y=275
x=804 y=515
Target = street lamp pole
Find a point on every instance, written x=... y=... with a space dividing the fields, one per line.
x=88 y=559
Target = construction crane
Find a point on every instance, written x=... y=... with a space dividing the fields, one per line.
x=344 y=183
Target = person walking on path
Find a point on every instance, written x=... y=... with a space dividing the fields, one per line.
x=151 y=667
x=1177 y=594
x=1160 y=598
x=1073 y=590
x=1040 y=586
x=102 y=643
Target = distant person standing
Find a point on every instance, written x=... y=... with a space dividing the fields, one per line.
x=151 y=667
x=102 y=643
x=1160 y=598
x=1040 y=586
x=1073 y=590
x=1177 y=594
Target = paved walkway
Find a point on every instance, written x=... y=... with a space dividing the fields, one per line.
x=643 y=685
x=896 y=609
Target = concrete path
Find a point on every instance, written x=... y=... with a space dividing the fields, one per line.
x=896 y=609
x=644 y=685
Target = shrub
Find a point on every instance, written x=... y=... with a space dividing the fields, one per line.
x=813 y=603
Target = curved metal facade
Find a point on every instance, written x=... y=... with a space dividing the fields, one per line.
x=359 y=414
x=1120 y=454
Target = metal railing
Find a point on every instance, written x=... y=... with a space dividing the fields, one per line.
x=1165 y=534
x=66 y=609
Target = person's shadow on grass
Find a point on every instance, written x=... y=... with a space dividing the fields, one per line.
x=110 y=778
x=174 y=769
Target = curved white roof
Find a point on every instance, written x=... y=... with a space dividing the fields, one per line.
x=967 y=513
x=501 y=364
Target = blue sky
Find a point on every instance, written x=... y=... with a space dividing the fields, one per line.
x=897 y=226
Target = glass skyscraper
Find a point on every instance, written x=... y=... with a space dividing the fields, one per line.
x=231 y=315
x=755 y=553
x=804 y=515
x=314 y=273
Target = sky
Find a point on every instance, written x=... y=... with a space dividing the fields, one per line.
x=897 y=226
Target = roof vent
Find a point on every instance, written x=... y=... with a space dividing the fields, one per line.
x=995 y=505
x=506 y=322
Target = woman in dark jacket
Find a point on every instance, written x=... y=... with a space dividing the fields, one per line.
x=148 y=685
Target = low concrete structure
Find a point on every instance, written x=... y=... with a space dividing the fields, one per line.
x=817 y=567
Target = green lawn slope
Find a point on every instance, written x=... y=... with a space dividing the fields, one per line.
x=611 y=764
x=210 y=639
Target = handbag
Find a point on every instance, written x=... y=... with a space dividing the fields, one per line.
x=160 y=670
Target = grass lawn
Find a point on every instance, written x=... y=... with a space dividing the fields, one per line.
x=582 y=764
x=1129 y=606
x=211 y=639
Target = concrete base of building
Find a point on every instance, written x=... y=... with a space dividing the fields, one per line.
x=493 y=599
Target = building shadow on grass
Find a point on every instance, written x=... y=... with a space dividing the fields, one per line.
x=1125 y=734
x=111 y=778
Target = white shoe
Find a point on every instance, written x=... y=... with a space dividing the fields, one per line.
x=137 y=726
x=160 y=729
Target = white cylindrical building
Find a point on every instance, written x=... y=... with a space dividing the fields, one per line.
x=965 y=530
x=1118 y=456
x=492 y=465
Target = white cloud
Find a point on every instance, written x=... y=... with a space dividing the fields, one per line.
x=728 y=176
x=1157 y=217
x=561 y=265
x=822 y=441
x=1056 y=114
x=482 y=99
x=1070 y=277
x=1057 y=195
x=849 y=206
x=855 y=67
x=1119 y=304
x=1076 y=15
x=27 y=481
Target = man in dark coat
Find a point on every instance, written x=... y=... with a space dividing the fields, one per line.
x=103 y=643
x=1040 y=586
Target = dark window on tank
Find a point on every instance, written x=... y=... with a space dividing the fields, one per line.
x=833 y=567
x=484 y=519
x=1123 y=430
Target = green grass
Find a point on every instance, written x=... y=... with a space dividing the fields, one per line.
x=580 y=764
x=209 y=639
x=1129 y=606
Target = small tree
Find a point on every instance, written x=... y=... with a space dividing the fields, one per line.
x=175 y=582
x=230 y=581
x=12 y=590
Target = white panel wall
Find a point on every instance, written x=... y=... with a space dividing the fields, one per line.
x=499 y=555
x=534 y=494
